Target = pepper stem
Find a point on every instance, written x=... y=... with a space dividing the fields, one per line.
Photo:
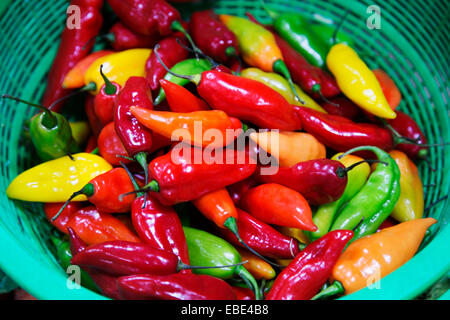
x=342 y=172
x=280 y=67
x=273 y=14
x=75 y=194
x=194 y=78
x=183 y=266
x=89 y=87
x=133 y=180
x=333 y=289
x=249 y=280
x=214 y=64
x=49 y=121
x=317 y=89
x=151 y=186
x=339 y=25
x=176 y=26
x=231 y=224
x=110 y=89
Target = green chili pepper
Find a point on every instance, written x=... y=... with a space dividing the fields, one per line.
x=186 y=67
x=377 y=198
x=64 y=256
x=206 y=249
x=50 y=133
x=327 y=33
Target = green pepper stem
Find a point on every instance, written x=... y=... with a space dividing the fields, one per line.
x=110 y=89
x=176 y=26
x=95 y=151
x=280 y=67
x=374 y=149
x=183 y=266
x=89 y=87
x=49 y=121
x=75 y=194
x=273 y=14
x=342 y=172
x=248 y=278
x=193 y=78
x=214 y=64
x=133 y=180
x=339 y=25
x=317 y=89
x=151 y=186
x=331 y=290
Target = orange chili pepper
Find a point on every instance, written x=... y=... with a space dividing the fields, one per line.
x=290 y=148
x=192 y=127
x=377 y=255
x=390 y=90
x=256 y=266
x=217 y=206
x=75 y=77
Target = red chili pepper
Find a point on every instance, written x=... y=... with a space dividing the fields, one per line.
x=170 y=52
x=122 y=258
x=319 y=181
x=94 y=122
x=273 y=203
x=51 y=209
x=243 y=293
x=71 y=49
x=310 y=269
x=238 y=189
x=181 y=99
x=407 y=127
x=110 y=146
x=212 y=36
x=342 y=106
x=159 y=226
x=105 y=100
x=262 y=238
x=247 y=100
x=341 y=134
x=94 y=226
x=122 y=38
x=147 y=17
x=105 y=282
x=179 y=177
x=176 y=286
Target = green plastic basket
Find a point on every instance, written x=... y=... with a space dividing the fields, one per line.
x=411 y=46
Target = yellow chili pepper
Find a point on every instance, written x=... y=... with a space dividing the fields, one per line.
x=256 y=266
x=281 y=85
x=357 y=81
x=377 y=255
x=56 y=180
x=289 y=147
x=80 y=131
x=294 y=233
x=410 y=204
x=117 y=67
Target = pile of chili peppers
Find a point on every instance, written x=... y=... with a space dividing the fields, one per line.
x=144 y=220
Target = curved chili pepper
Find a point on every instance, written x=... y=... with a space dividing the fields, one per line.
x=176 y=286
x=122 y=38
x=181 y=99
x=147 y=17
x=105 y=100
x=171 y=52
x=379 y=254
x=159 y=226
x=75 y=77
x=177 y=169
x=376 y=199
x=93 y=226
x=262 y=238
x=341 y=134
x=343 y=107
x=411 y=202
x=310 y=269
x=72 y=49
x=259 y=268
x=166 y=123
x=212 y=36
x=238 y=189
x=110 y=146
x=405 y=126
x=50 y=133
x=390 y=90
x=51 y=209
x=276 y=204
x=319 y=181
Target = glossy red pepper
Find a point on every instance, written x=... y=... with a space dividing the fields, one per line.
x=342 y=106
x=311 y=268
x=110 y=146
x=212 y=36
x=72 y=48
x=159 y=226
x=319 y=181
x=243 y=293
x=262 y=238
x=179 y=177
x=342 y=134
x=407 y=127
x=105 y=282
x=176 y=286
x=237 y=190
x=122 y=38
x=170 y=52
x=276 y=204
x=247 y=100
x=51 y=209
x=147 y=17
x=105 y=101
x=181 y=99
